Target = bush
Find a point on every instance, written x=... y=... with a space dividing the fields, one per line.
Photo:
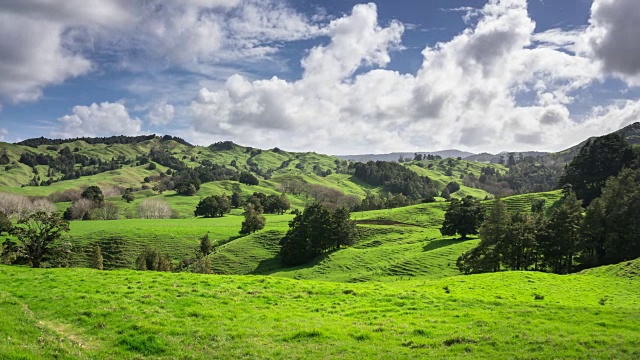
x=151 y=259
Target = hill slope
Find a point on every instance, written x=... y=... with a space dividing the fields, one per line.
x=88 y=314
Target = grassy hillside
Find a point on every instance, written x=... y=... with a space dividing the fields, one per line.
x=87 y=314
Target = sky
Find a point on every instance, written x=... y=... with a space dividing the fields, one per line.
x=331 y=76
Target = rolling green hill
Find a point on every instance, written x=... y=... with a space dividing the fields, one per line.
x=88 y=314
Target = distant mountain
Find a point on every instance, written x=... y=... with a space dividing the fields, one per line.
x=406 y=155
x=495 y=158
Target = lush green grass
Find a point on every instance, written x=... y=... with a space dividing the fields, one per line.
x=88 y=314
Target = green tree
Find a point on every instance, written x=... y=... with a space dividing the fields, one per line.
x=236 y=200
x=344 y=231
x=36 y=235
x=96 y=258
x=205 y=245
x=486 y=256
x=128 y=195
x=93 y=194
x=463 y=217
x=597 y=160
x=519 y=245
x=151 y=259
x=446 y=194
x=213 y=206
x=559 y=252
x=593 y=234
x=253 y=220
x=248 y=179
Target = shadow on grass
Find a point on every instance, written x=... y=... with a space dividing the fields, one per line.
x=437 y=244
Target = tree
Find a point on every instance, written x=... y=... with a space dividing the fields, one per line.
x=93 y=194
x=96 y=258
x=152 y=166
x=453 y=187
x=236 y=200
x=152 y=259
x=597 y=160
x=561 y=248
x=108 y=211
x=463 y=217
x=253 y=220
x=446 y=194
x=343 y=229
x=186 y=188
x=213 y=206
x=283 y=204
x=486 y=256
x=37 y=233
x=205 y=245
x=248 y=179
x=316 y=231
x=5 y=223
x=128 y=195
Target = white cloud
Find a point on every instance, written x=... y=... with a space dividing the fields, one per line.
x=613 y=37
x=465 y=92
x=45 y=42
x=3 y=132
x=161 y=113
x=103 y=119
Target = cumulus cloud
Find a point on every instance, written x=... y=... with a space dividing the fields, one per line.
x=613 y=37
x=464 y=93
x=103 y=119
x=47 y=42
x=161 y=113
x=3 y=132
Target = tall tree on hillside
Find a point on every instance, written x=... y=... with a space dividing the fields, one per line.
x=37 y=233
x=486 y=256
x=253 y=220
x=463 y=217
x=597 y=160
x=564 y=225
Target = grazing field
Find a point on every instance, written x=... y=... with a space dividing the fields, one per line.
x=123 y=314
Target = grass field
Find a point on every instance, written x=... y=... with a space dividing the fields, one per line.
x=88 y=314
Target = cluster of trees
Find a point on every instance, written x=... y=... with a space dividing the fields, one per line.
x=97 y=140
x=71 y=165
x=316 y=231
x=429 y=157
x=463 y=217
x=389 y=201
x=395 y=178
x=91 y=206
x=603 y=178
x=18 y=206
x=213 y=206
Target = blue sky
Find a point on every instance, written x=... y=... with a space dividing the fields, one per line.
x=331 y=76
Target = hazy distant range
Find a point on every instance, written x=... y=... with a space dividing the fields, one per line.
x=483 y=157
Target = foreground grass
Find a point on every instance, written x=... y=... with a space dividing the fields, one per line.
x=87 y=314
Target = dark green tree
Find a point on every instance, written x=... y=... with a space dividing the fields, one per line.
x=445 y=194
x=344 y=231
x=37 y=234
x=213 y=206
x=248 y=179
x=128 y=195
x=597 y=160
x=236 y=200
x=564 y=226
x=253 y=220
x=463 y=217
x=94 y=194
x=205 y=245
